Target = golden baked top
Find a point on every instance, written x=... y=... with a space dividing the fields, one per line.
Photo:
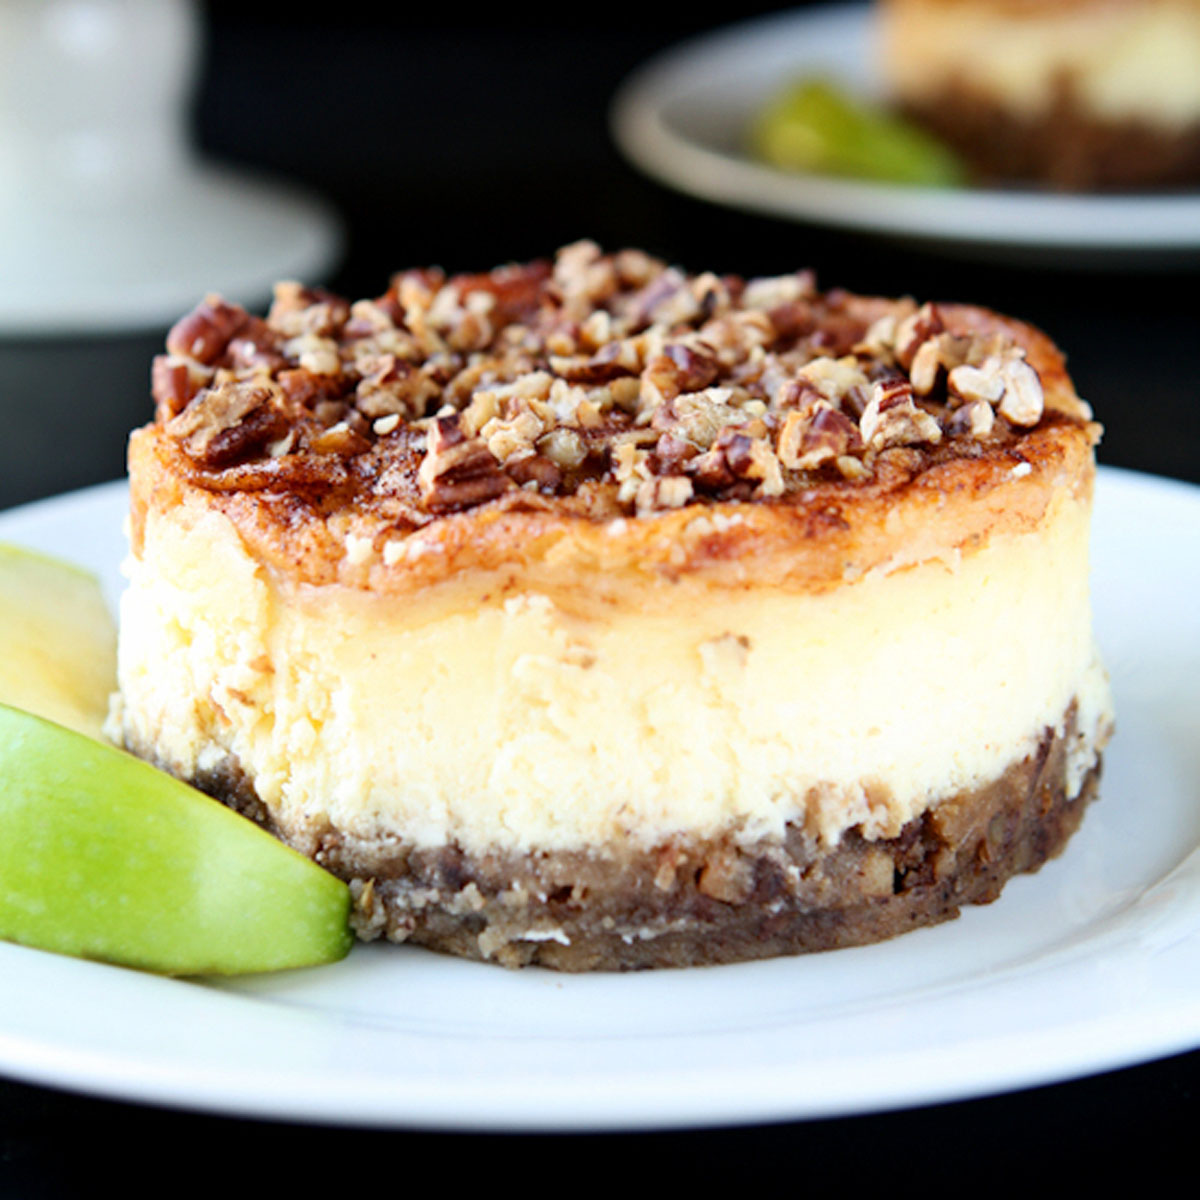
x=595 y=388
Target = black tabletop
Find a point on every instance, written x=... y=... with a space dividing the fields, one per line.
x=467 y=147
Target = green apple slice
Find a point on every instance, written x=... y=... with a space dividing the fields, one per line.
x=816 y=126
x=57 y=640
x=102 y=856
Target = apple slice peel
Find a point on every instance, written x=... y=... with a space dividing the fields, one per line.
x=103 y=856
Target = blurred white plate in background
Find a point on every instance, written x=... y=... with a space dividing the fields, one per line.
x=681 y=119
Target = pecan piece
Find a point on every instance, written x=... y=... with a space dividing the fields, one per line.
x=302 y=389
x=207 y=330
x=776 y=291
x=663 y=491
x=1023 y=401
x=667 y=300
x=943 y=351
x=229 y=422
x=612 y=361
x=914 y=331
x=670 y=453
x=793 y=320
x=173 y=383
x=699 y=417
x=373 y=318
x=736 y=457
x=298 y=310
x=893 y=419
x=711 y=471
x=879 y=341
x=679 y=369
x=563 y=447
x=837 y=334
x=341 y=439
x=797 y=394
x=841 y=381
x=393 y=386
x=817 y=435
x=738 y=450
x=726 y=877
x=515 y=290
x=255 y=347
x=976 y=419
x=535 y=469
x=975 y=383
x=456 y=472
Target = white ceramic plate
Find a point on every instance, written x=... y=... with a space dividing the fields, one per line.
x=1093 y=963
x=681 y=118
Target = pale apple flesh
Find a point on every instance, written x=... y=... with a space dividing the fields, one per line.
x=57 y=640
x=102 y=856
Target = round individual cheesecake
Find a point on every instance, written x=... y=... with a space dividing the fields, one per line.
x=595 y=614
x=1077 y=94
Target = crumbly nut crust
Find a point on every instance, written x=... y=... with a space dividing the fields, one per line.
x=699 y=901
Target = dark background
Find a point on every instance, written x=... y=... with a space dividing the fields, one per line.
x=470 y=142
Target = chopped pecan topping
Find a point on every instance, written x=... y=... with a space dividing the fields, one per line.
x=974 y=383
x=779 y=291
x=700 y=417
x=614 y=377
x=670 y=452
x=255 y=348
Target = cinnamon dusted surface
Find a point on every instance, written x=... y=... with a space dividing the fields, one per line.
x=606 y=411
x=702 y=900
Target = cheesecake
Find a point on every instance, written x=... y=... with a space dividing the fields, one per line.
x=598 y=614
x=1074 y=94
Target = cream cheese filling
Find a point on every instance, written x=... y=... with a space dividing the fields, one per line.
x=512 y=720
x=1122 y=61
